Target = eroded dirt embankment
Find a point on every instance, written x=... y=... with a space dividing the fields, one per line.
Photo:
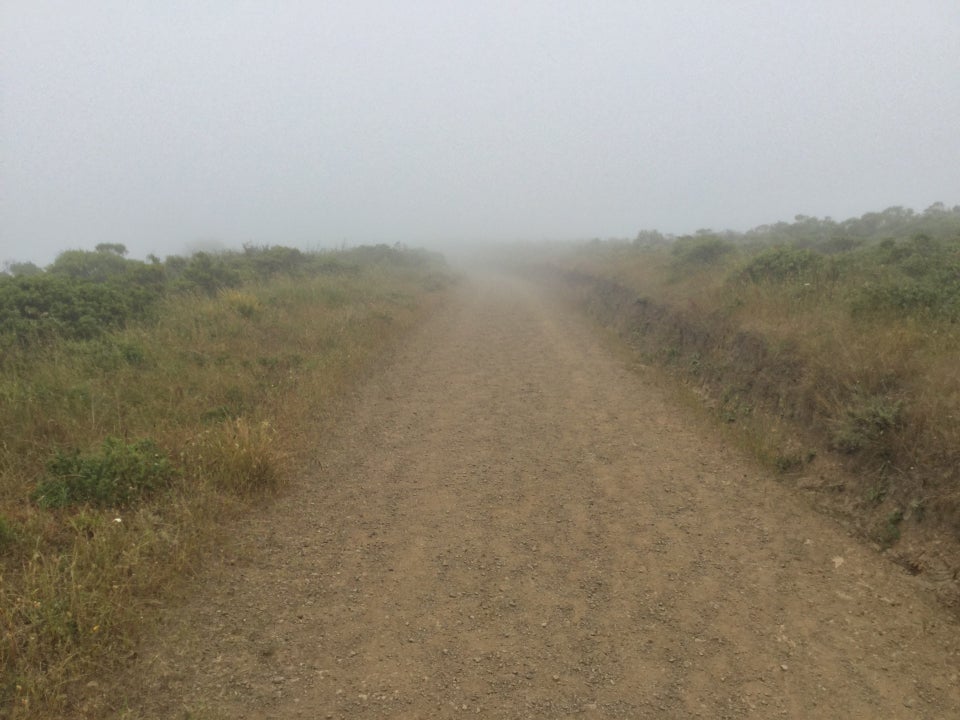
x=510 y=523
x=775 y=399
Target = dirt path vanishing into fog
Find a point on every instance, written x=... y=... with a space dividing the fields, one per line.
x=511 y=523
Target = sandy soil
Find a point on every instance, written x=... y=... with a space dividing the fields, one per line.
x=510 y=523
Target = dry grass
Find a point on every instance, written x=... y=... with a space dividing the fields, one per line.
x=223 y=386
x=798 y=366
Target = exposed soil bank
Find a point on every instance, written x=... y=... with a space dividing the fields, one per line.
x=769 y=391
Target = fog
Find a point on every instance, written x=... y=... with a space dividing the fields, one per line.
x=170 y=126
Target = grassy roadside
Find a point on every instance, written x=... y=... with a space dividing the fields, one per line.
x=831 y=347
x=123 y=452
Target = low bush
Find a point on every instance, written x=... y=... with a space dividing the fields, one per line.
x=698 y=251
x=208 y=274
x=905 y=297
x=919 y=276
x=783 y=264
x=43 y=307
x=116 y=476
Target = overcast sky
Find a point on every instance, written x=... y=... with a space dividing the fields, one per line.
x=160 y=124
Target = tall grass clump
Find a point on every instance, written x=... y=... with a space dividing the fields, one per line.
x=135 y=422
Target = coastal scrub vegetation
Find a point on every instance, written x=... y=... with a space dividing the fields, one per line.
x=828 y=341
x=142 y=403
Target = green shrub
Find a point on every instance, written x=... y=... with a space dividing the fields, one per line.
x=903 y=296
x=918 y=256
x=115 y=476
x=700 y=250
x=915 y=277
x=839 y=245
x=109 y=354
x=268 y=262
x=781 y=264
x=208 y=274
x=22 y=269
x=98 y=266
x=41 y=307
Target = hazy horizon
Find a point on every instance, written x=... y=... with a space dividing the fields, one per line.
x=163 y=126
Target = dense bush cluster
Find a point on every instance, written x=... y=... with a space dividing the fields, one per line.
x=84 y=294
x=826 y=234
x=896 y=262
x=699 y=250
x=47 y=305
x=779 y=264
x=919 y=275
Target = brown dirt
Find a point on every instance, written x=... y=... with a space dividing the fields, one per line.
x=511 y=523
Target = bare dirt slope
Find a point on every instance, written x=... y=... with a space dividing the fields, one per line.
x=509 y=523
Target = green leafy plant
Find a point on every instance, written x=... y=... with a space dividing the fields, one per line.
x=919 y=277
x=780 y=264
x=41 y=307
x=209 y=274
x=699 y=250
x=115 y=476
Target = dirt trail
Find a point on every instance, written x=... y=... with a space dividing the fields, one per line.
x=512 y=524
